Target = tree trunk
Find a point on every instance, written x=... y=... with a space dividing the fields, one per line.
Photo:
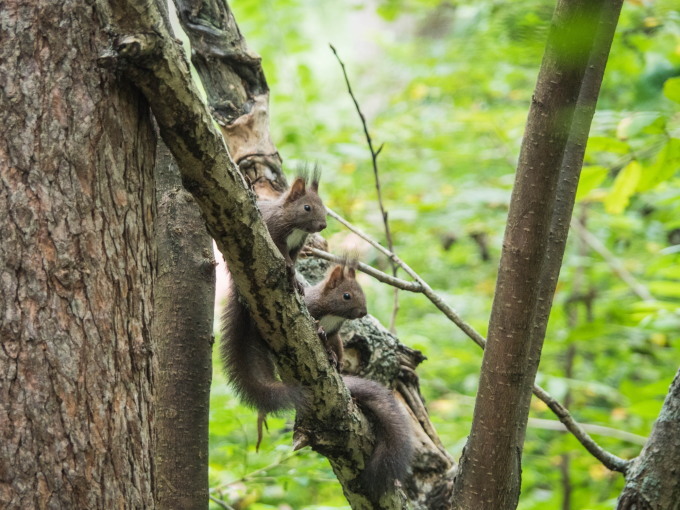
x=570 y=172
x=76 y=267
x=490 y=467
x=184 y=302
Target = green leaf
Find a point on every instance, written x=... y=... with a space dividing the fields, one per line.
x=671 y=89
x=624 y=186
x=667 y=288
x=635 y=124
x=607 y=144
x=591 y=178
x=666 y=165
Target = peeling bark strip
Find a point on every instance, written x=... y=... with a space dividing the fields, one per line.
x=237 y=90
x=653 y=481
x=76 y=267
x=490 y=467
x=184 y=302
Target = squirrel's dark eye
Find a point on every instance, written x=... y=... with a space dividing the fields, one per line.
x=308 y=207
x=346 y=296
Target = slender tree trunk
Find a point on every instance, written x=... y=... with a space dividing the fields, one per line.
x=605 y=19
x=489 y=476
x=184 y=302
x=76 y=267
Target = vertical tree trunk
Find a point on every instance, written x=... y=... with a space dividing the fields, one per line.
x=76 y=266
x=605 y=20
x=490 y=467
x=184 y=303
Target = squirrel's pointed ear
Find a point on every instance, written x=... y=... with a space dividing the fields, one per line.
x=335 y=277
x=350 y=272
x=296 y=191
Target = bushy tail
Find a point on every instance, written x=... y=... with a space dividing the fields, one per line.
x=391 y=457
x=248 y=363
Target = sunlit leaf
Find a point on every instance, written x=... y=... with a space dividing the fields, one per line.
x=664 y=167
x=591 y=178
x=671 y=89
x=624 y=186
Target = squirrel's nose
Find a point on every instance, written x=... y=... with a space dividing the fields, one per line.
x=322 y=225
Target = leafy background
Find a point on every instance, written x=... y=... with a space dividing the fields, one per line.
x=446 y=87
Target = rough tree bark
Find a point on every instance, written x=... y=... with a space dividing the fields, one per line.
x=490 y=467
x=238 y=94
x=76 y=266
x=184 y=303
x=653 y=480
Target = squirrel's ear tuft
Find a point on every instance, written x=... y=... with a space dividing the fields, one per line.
x=335 y=277
x=296 y=191
x=316 y=177
x=350 y=262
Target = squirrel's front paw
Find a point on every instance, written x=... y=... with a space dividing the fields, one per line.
x=294 y=282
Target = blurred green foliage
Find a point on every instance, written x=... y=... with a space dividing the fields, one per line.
x=446 y=87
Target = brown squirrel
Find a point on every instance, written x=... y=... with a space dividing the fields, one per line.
x=332 y=301
x=294 y=215
x=336 y=298
x=245 y=355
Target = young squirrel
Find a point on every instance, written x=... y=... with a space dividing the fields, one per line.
x=245 y=355
x=294 y=215
x=332 y=301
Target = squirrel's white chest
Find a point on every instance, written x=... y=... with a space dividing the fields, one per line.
x=331 y=323
x=296 y=239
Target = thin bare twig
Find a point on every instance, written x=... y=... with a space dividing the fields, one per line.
x=221 y=503
x=369 y=270
x=254 y=474
x=600 y=430
x=609 y=460
x=374 y=159
x=614 y=263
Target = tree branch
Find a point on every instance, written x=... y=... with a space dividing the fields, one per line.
x=652 y=480
x=629 y=437
x=521 y=305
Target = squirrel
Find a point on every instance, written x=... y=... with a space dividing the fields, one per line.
x=245 y=354
x=338 y=297
x=294 y=215
x=332 y=301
